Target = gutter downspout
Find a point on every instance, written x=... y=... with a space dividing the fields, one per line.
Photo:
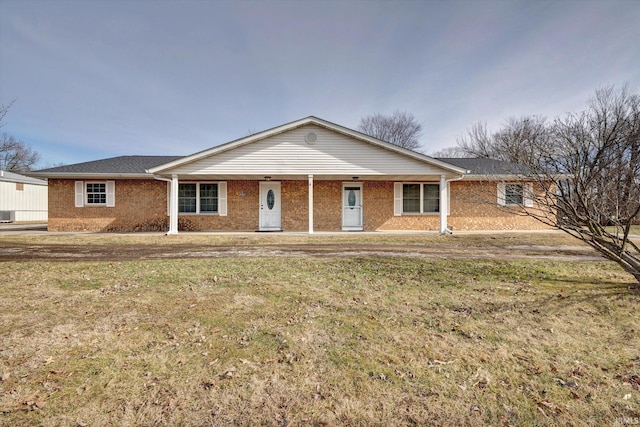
x=310 y=204
x=159 y=178
x=444 y=213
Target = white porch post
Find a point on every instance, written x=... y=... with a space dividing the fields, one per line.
x=173 y=206
x=310 y=204
x=444 y=198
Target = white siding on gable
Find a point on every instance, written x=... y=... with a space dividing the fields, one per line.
x=289 y=154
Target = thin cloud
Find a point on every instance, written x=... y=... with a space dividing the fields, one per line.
x=102 y=78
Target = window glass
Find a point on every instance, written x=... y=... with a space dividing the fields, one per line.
x=96 y=193
x=187 y=198
x=513 y=194
x=208 y=197
x=351 y=198
x=431 y=198
x=411 y=198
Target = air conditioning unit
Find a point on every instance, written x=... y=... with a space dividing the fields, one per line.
x=7 y=216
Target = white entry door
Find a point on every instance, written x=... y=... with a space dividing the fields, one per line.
x=270 y=206
x=352 y=206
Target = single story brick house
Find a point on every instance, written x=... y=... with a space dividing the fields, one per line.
x=307 y=175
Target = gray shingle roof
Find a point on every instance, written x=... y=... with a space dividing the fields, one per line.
x=484 y=166
x=115 y=165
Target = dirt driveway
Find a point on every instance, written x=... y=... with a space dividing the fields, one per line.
x=14 y=251
x=93 y=249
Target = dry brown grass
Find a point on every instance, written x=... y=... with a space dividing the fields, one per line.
x=306 y=341
x=462 y=240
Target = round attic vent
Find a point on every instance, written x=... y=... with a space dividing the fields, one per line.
x=311 y=138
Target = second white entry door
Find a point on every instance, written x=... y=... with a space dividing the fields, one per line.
x=352 y=206
x=270 y=203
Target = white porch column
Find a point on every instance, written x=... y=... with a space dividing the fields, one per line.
x=444 y=198
x=310 y=204
x=173 y=206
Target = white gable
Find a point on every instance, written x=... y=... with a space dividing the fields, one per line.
x=293 y=153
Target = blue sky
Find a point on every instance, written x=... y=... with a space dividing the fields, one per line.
x=94 y=79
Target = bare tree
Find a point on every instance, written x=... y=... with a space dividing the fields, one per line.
x=449 y=152
x=3 y=111
x=400 y=128
x=517 y=141
x=15 y=155
x=587 y=170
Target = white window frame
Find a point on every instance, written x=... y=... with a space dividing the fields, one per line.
x=88 y=193
x=220 y=198
x=399 y=198
x=513 y=194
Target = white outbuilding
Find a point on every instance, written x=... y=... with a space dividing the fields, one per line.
x=22 y=198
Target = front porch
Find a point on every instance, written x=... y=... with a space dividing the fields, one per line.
x=310 y=205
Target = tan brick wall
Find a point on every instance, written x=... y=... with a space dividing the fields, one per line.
x=474 y=206
x=243 y=199
x=378 y=211
x=295 y=205
x=327 y=205
x=141 y=205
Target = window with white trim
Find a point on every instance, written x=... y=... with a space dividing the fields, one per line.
x=208 y=198
x=420 y=198
x=198 y=198
x=515 y=194
x=96 y=193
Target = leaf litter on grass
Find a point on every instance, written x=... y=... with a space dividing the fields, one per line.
x=360 y=341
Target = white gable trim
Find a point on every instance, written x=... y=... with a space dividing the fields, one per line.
x=296 y=124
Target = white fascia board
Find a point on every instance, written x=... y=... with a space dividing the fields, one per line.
x=25 y=180
x=299 y=123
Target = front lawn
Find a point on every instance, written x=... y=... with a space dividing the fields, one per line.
x=319 y=341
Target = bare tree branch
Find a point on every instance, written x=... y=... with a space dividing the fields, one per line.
x=586 y=165
x=15 y=155
x=3 y=111
x=400 y=128
x=449 y=152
